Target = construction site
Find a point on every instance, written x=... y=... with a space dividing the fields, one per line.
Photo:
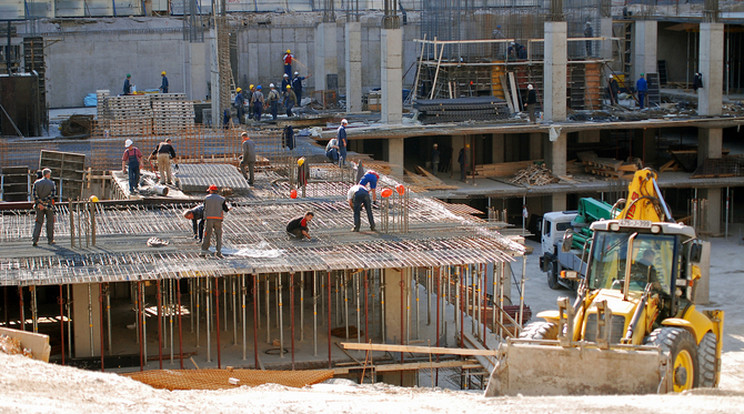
x=480 y=119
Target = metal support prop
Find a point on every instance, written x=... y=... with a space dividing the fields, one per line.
x=315 y=313
x=90 y=318
x=292 y=318
x=346 y=303
x=418 y=309
x=180 y=329
x=173 y=284
x=280 y=319
x=217 y=320
x=302 y=306
x=100 y=309
x=484 y=317
x=143 y=315
x=191 y=305
x=234 y=309
x=521 y=292
x=501 y=300
x=69 y=324
x=366 y=309
x=268 y=312
x=198 y=294
x=208 y=315
x=224 y=300
x=23 y=312
x=61 y=320
x=242 y=310
x=462 y=302
x=329 y=320
x=160 y=323
x=357 y=283
x=493 y=298
x=108 y=317
x=383 y=291
x=256 y=318
x=34 y=310
x=429 y=289
x=139 y=325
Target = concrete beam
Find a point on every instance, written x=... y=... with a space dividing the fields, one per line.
x=353 y=40
x=391 y=55
x=555 y=71
x=396 y=155
x=645 y=41
x=326 y=55
x=85 y=296
x=710 y=96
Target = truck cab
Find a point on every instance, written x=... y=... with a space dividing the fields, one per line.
x=553 y=260
x=554 y=225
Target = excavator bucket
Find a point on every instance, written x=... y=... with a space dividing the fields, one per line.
x=546 y=368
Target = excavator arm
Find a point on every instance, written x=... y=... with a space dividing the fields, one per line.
x=645 y=201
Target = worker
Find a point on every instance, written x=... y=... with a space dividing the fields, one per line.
x=531 y=103
x=642 y=89
x=297 y=86
x=285 y=81
x=257 y=101
x=370 y=178
x=358 y=196
x=290 y=100
x=297 y=227
x=287 y=60
x=697 y=81
x=214 y=208
x=249 y=156
x=612 y=90
x=127 y=90
x=163 y=82
x=342 y=142
x=644 y=272
x=435 y=159
x=196 y=215
x=588 y=32
x=131 y=159
x=248 y=95
x=462 y=159
x=332 y=150
x=165 y=155
x=273 y=101
x=240 y=104
x=44 y=192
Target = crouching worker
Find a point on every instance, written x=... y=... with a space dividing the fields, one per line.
x=196 y=215
x=297 y=227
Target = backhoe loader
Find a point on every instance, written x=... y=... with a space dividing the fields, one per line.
x=633 y=328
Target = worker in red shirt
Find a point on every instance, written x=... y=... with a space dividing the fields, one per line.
x=287 y=59
x=297 y=227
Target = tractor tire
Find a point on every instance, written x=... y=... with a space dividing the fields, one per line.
x=540 y=330
x=680 y=345
x=553 y=276
x=707 y=363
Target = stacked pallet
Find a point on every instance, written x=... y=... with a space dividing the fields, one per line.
x=503 y=169
x=608 y=167
x=129 y=115
x=101 y=108
x=535 y=174
x=461 y=109
x=172 y=113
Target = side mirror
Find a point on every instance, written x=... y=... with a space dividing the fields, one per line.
x=567 y=241
x=696 y=252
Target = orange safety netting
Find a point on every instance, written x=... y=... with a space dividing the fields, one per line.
x=216 y=379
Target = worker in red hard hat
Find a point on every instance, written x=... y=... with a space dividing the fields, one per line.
x=215 y=206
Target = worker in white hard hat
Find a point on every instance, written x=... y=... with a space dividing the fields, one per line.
x=287 y=60
x=163 y=83
x=131 y=159
x=286 y=80
x=297 y=86
x=531 y=103
x=342 y=142
x=273 y=100
x=612 y=89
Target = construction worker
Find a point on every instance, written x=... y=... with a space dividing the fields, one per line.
x=131 y=159
x=249 y=98
x=163 y=82
x=287 y=60
x=165 y=155
x=370 y=178
x=531 y=103
x=358 y=196
x=462 y=159
x=642 y=89
x=297 y=227
x=273 y=101
x=435 y=159
x=127 y=90
x=285 y=81
x=249 y=157
x=214 y=208
x=342 y=142
x=332 y=150
x=612 y=90
x=196 y=214
x=290 y=100
x=257 y=101
x=44 y=191
x=297 y=86
x=239 y=104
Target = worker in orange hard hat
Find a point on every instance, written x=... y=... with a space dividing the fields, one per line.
x=287 y=60
x=215 y=207
x=163 y=83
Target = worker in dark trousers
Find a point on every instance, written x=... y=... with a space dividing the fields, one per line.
x=531 y=103
x=196 y=215
x=273 y=101
x=297 y=86
x=370 y=178
x=358 y=196
x=44 y=192
x=127 y=90
x=163 y=82
x=286 y=81
x=215 y=207
x=131 y=160
x=290 y=100
x=287 y=60
x=642 y=89
x=612 y=89
x=342 y=142
x=435 y=159
x=248 y=159
x=165 y=155
x=297 y=227
x=240 y=104
x=257 y=102
x=462 y=159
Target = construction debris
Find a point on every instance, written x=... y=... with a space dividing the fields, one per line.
x=12 y=346
x=461 y=109
x=535 y=174
x=609 y=167
x=503 y=169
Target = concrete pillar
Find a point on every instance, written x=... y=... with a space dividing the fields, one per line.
x=391 y=47
x=83 y=321
x=555 y=157
x=214 y=68
x=644 y=48
x=605 y=30
x=396 y=155
x=536 y=141
x=555 y=71
x=393 y=280
x=326 y=55
x=497 y=148
x=710 y=96
x=353 y=41
x=710 y=145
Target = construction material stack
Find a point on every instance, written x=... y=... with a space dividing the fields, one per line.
x=484 y=108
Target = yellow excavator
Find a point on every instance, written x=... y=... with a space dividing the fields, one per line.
x=633 y=328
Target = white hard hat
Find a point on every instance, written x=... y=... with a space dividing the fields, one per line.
x=297 y=73
x=529 y=86
x=128 y=143
x=344 y=122
x=271 y=85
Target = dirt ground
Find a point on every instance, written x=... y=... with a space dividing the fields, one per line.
x=28 y=386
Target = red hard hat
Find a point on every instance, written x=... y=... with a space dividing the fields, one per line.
x=213 y=188
x=293 y=193
x=400 y=188
x=386 y=193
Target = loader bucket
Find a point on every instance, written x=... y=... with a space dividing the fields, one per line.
x=546 y=368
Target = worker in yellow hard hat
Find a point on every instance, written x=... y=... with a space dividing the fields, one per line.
x=248 y=98
x=163 y=83
x=287 y=59
x=239 y=104
x=290 y=100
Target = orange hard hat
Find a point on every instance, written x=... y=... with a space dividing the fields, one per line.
x=386 y=193
x=293 y=193
x=400 y=189
x=213 y=188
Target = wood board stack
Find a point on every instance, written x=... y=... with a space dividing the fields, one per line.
x=483 y=108
x=535 y=174
x=503 y=169
x=608 y=167
x=172 y=113
x=425 y=181
x=129 y=115
x=101 y=107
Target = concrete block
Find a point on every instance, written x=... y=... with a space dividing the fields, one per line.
x=264 y=36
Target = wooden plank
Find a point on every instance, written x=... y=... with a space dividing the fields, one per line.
x=507 y=94
x=418 y=349
x=514 y=96
x=408 y=366
x=37 y=343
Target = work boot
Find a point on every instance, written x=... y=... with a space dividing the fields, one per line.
x=204 y=253
x=35 y=244
x=219 y=254
x=355 y=229
x=372 y=228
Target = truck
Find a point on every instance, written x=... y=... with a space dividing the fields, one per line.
x=634 y=327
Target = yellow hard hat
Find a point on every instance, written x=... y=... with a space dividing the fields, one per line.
x=162 y=73
x=289 y=51
x=289 y=87
x=251 y=87
x=301 y=161
x=93 y=199
x=238 y=90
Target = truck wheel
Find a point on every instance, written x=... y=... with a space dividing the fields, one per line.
x=680 y=345
x=553 y=276
x=540 y=330
x=707 y=361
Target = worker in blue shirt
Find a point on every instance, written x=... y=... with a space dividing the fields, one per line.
x=642 y=89
x=357 y=197
x=127 y=90
x=370 y=177
x=297 y=86
x=342 y=142
x=164 y=82
x=239 y=104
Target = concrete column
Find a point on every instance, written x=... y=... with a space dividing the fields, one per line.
x=353 y=40
x=214 y=68
x=83 y=320
x=644 y=48
x=536 y=141
x=396 y=155
x=555 y=157
x=326 y=54
x=393 y=280
x=195 y=71
x=605 y=30
x=497 y=148
x=647 y=149
x=710 y=145
x=555 y=71
x=391 y=47
x=710 y=96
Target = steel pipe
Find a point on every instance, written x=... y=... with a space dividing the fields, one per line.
x=217 y=320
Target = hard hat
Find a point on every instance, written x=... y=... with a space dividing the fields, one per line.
x=289 y=51
x=530 y=87
x=286 y=76
x=238 y=90
x=258 y=87
x=373 y=172
x=46 y=171
x=386 y=193
x=129 y=76
x=289 y=86
x=293 y=193
x=344 y=122
x=271 y=85
x=93 y=199
x=213 y=188
x=162 y=73
x=301 y=161
x=128 y=143
x=611 y=76
x=250 y=87
x=297 y=73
